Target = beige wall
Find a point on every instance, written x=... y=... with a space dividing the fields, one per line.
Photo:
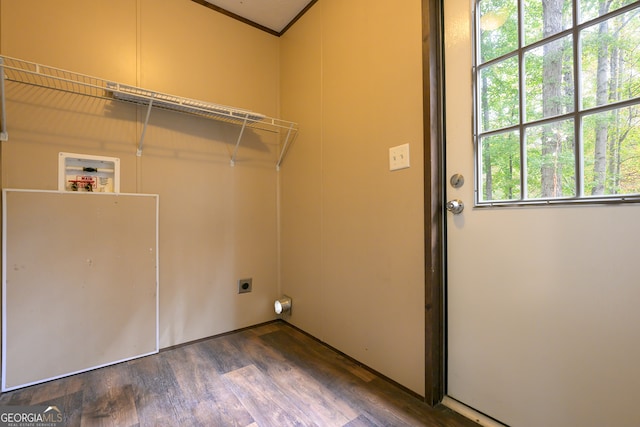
x=217 y=223
x=352 y=231
x=349 y=230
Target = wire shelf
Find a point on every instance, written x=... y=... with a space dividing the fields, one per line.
x=20 y=71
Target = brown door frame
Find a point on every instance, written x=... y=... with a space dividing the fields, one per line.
x=433 y=101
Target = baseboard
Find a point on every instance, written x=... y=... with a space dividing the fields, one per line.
x=357 y=362
x=173 y=347
x=280 y=320
x=470 y=413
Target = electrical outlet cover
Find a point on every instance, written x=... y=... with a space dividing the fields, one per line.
x=244 y=286
x=399 y=157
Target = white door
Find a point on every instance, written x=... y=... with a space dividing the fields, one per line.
x=543 y=301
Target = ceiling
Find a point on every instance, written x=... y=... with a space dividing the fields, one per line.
x=273 y=16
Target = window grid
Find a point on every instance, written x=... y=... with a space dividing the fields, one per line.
x=523 y=125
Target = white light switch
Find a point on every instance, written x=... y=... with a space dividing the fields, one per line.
x=399 y=157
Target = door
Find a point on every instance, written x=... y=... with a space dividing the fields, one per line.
x=542 y=301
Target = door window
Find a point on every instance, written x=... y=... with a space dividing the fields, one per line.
x=557 y=101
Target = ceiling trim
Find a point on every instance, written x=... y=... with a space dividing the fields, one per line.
x=252 y=23
x=298 y=16
x=234 y=16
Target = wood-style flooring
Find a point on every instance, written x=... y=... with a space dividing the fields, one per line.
x=269 y=375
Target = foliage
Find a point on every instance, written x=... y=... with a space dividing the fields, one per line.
x=577 y=135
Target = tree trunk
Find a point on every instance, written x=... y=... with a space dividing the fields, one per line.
x=486 y=150
x=613 y=166
x=551 y=176
x=602 y=126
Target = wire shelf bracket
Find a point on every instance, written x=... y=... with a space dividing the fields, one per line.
x=144 y=129
x=20 y=71
x=4 y=136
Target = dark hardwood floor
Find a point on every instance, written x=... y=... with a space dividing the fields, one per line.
x=270 y=375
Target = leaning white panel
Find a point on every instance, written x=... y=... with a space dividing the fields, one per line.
x=79 y=282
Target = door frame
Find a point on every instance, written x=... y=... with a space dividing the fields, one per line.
x=434 y=226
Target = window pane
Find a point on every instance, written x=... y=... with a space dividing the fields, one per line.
x=537 y=154
x=541 y=22
x=498 y=28
x=611 y=152
x=551 y=160
x=590 y=9
x=500 y=157
x=611 y=60
x=498 y=98
x=549 y=79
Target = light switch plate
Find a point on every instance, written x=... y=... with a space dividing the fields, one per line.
x=399 y=157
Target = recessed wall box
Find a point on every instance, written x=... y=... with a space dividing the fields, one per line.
x=87 y=173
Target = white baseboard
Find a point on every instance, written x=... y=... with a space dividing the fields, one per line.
x=470 y=413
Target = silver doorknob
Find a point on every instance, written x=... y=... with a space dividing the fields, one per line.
x=455 y=206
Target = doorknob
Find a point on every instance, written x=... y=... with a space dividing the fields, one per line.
x=455 y=206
